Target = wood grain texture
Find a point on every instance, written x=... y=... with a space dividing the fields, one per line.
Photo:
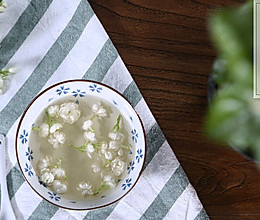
x=166 y=47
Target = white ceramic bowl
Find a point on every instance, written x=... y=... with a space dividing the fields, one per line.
x=77 y=89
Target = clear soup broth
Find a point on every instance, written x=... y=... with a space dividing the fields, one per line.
x=76 y=164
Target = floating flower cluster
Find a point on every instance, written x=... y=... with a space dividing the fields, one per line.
x=110 y=164
x=108 y=156
x=68 y=112
x=52 y=174
x=85 y=188
x=5 y=73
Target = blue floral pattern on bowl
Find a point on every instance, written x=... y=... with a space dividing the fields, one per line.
x=29 y=154
x=134 y=135
x=127 y=183
x=76 y=91
x=62 y=90
x=131 y=166
x=94 y=88
x=28 y=169
x=79 y=93
x=23 y=137
x=54 y=196
x=139 y=155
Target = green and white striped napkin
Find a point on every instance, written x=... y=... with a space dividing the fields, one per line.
x=51 y=41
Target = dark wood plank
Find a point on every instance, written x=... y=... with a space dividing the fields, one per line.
x=166 y=47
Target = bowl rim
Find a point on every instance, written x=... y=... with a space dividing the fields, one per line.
x=44 y=91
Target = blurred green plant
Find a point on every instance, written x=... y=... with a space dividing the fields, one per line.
x=234 y=115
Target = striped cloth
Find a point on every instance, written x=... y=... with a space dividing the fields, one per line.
x=51 y=41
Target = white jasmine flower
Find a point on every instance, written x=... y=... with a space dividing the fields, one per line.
x=44 y=163
x=85 y=188
x=53 y=110
x=90 y=150
x=69 y=112
x=110 y=181
x=88 y=135
x=108 y=155
x=118 y=166
x=103 y=147
x=59 y=187
x=114 y=145
x=60 y=136
x=120 y=152
x=12 y=70
x=104 y=151
x=55 y=127
x=44 y=130
x=1 y=91
x=1 y=82
x=44 y=171
x=57 y=139
x=87 y=125
x=58 y=173
x=96 y=168
x=47 y=178
x=4 y=4
x=2 y=9
x=116 y=136
x=99 y=110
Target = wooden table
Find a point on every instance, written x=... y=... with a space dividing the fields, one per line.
x=166 y=47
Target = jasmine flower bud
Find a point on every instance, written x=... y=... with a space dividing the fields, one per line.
x=53 y=110
x=44 y=130
x=110 y=181
x=47 y=178
x=44 y=162
x=87 y=125
x=85 y=188
x=99 y=110
x=90 y=150
x=4 y=4
x=55 y=127
x=60 y=136
x=96 y=168
x=2 y=9
x=108 y=155
x=57 y=139
x=59 y=187
x=1 y=91
x=103 y=147
x=58 y=173
x=114 y=145
x=118 y=166
x=104 y=151
x=116 y=136
x=44 y=170
x=120 y=152
x=12 y=70
x=88 y=135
